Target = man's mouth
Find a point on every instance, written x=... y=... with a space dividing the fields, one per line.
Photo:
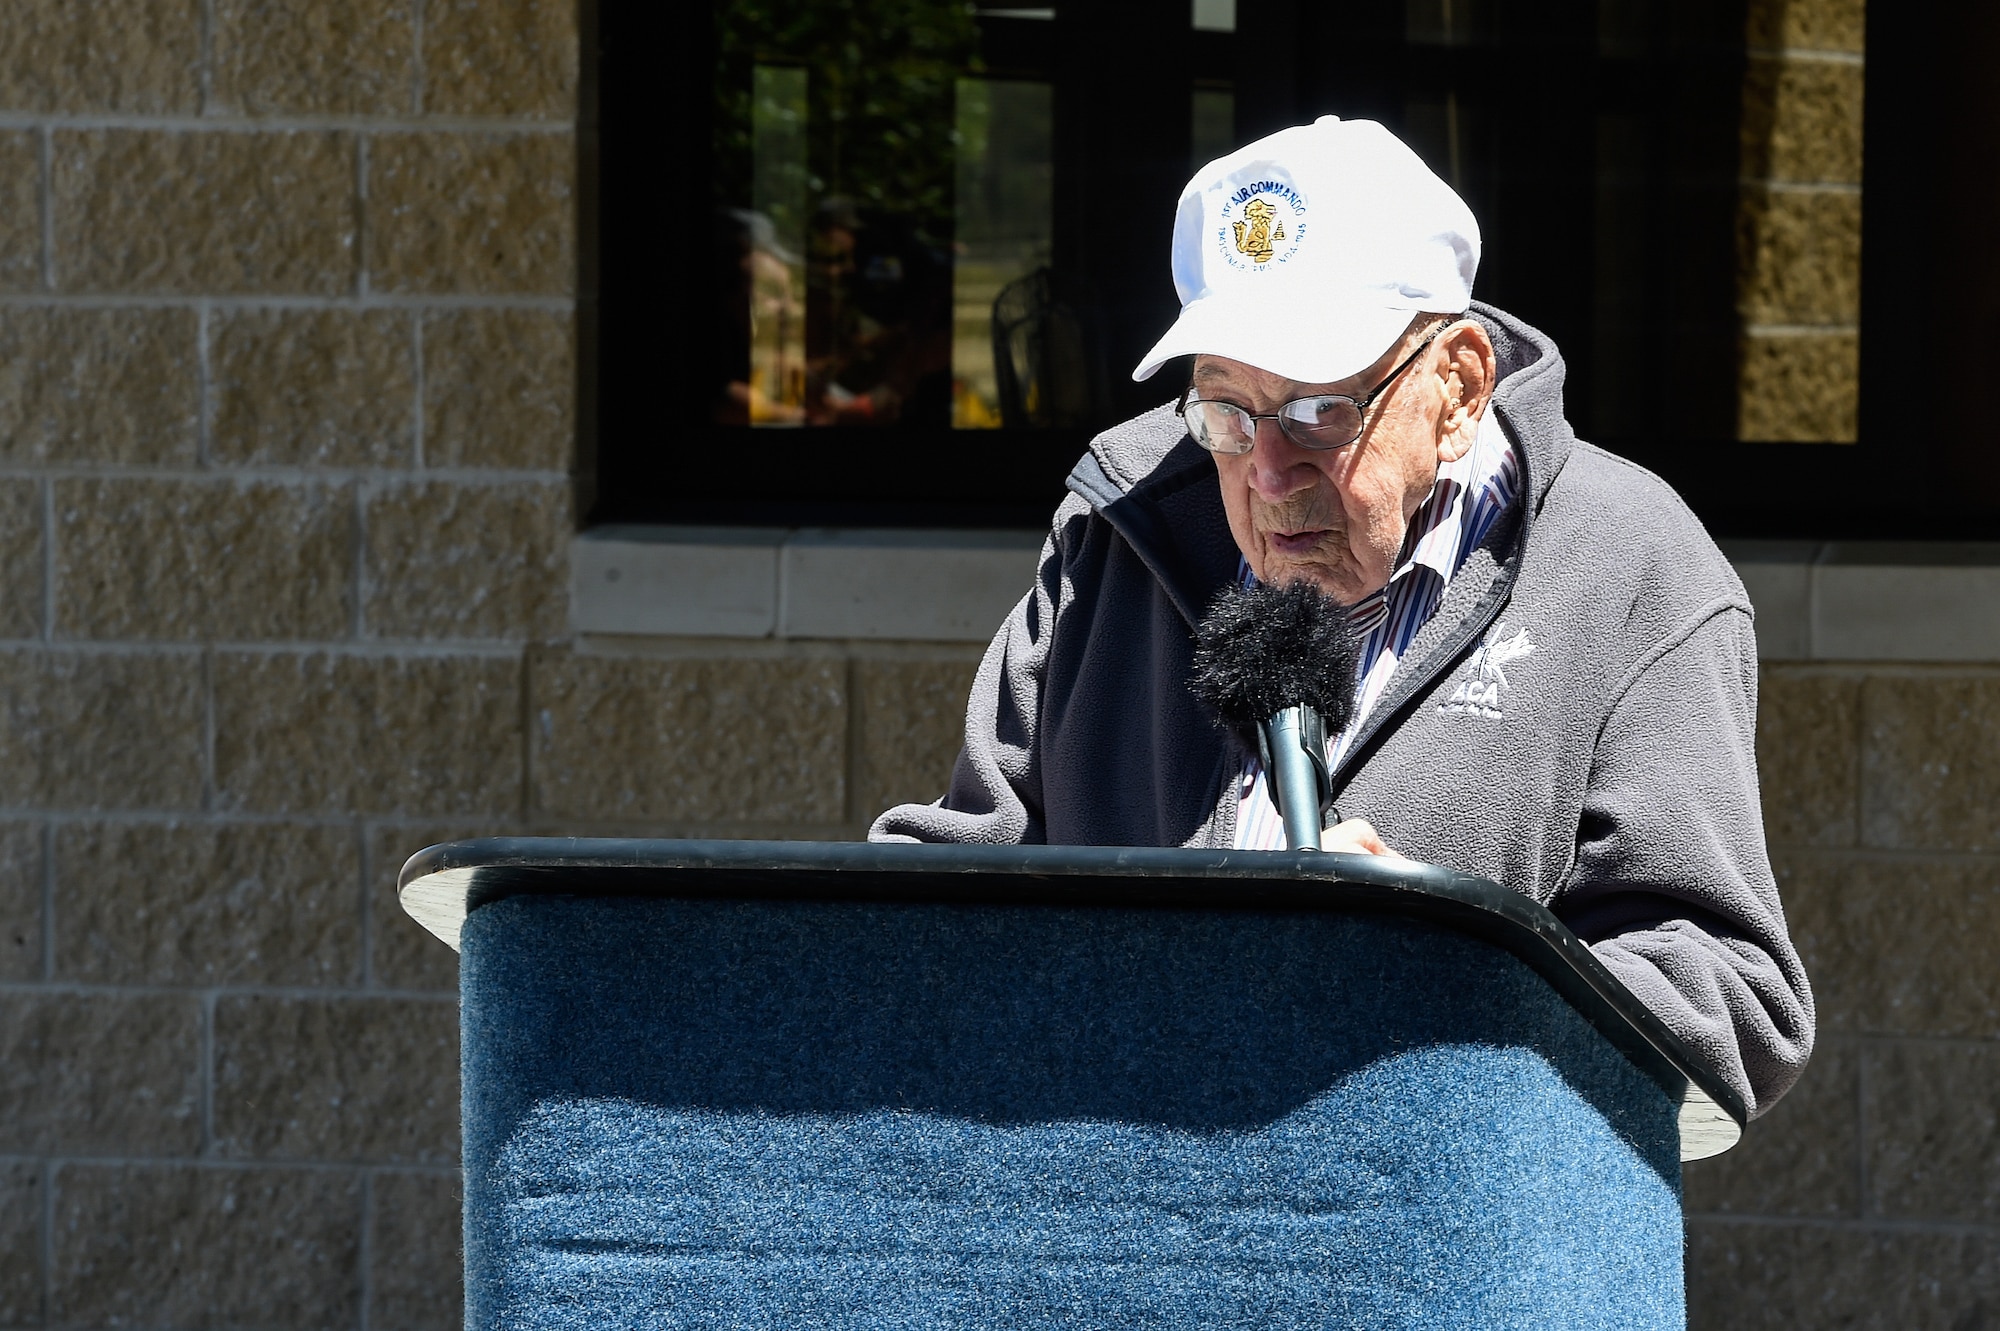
x=1296 y=542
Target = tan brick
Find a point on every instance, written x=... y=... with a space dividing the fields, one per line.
x=405 y=954
x=325 y=733
x=20 y=904
x=1933 y=1116
x=20 y=211
x=1930 y=762
x=472 y=213
x=1799 y=388
x=1797 y=1160
x=911 y=726
x=1899 y=947
x=500 y=57
x=304 y=57
x=1798 y=257
x=99 y=1074
x=1763 y=1277
x=337 y=1079
x=20 y=1244
x=314 y=387
x=1812 y=25
x=167 y=1246
x=214 y=212
x=499 y=389
x=1809 y=757
x=689 y=740
x=417 y=1254
x=99 y=385
x=21 y=578
x=139 y=56
x=232 y=559
x=1802 y=121
x=87 y=731
x=451 y=560
x=209 y=905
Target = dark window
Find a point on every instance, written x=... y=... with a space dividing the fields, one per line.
x=894 y=262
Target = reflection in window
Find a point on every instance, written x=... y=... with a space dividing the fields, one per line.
x=774 y=230
x=1005 y=215
x=836 y=158
x=1213 y=111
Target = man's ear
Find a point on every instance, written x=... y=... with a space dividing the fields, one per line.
x=1466 y=374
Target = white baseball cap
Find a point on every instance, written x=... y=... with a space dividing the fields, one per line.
x=1308 y=253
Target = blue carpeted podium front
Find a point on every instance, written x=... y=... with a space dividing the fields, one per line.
x=715 y=1084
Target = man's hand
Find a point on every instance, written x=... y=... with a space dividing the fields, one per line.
x=1355 y=837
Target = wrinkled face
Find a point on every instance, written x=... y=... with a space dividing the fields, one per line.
x=1337 y=516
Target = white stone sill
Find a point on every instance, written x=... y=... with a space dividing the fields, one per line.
x=1841 y=601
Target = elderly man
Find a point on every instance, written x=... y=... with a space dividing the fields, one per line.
x=1558 y=680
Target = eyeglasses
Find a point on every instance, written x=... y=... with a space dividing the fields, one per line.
x=1322 y=421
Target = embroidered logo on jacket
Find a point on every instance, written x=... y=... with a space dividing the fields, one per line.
x=1485 y=682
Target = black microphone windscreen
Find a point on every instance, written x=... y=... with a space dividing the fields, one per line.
x=1264 y=648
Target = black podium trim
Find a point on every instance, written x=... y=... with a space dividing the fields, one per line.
x=441 y=885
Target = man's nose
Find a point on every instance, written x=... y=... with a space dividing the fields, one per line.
x=1278 y=467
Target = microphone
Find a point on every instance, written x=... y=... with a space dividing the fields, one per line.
x=1278 y=664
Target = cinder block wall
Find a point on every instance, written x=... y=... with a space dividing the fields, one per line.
x=1798 y=243
x=286 y=432
x=1870 y=1197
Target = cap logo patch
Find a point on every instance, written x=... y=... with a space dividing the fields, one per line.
x=1255 y=231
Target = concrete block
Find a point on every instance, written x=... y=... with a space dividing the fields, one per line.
x=501 y=57
x=417 y=1254
x=80 y=730
x=20 y=904
x=214 y=213
x=351 y=1078
x=1809 y=756
x=927 y=585
x=1799 y=388
x=1778 y=577
x=1816 y=25
x=1798 y=1159
x=405 y=954
x=324 y=733
x=134 y=56
x=912 y=725
x=99 y=385
x=20 y=211
x=1933 y=1115
x=1798 y=257
x=99 y=1074
x=20 y=1243
x=191 y=560
x=1888 y=612
x=1802 y=121
x=202 y=904
x=454 y=560
x=1777 y=1277
x=183 y=1248
x=689 y=581
x=21 y=567
x=686 y=740
x=488 y=213
x=313 y=387
x=1898 y=946
x=499 y=389
x=306 y=57
x=1930 y=762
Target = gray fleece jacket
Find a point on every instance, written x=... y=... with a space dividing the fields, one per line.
x=1577 y=721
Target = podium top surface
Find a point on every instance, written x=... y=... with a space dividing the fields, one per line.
x=442 y=884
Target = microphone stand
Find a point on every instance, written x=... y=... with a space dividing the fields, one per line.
x=1292 y=744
